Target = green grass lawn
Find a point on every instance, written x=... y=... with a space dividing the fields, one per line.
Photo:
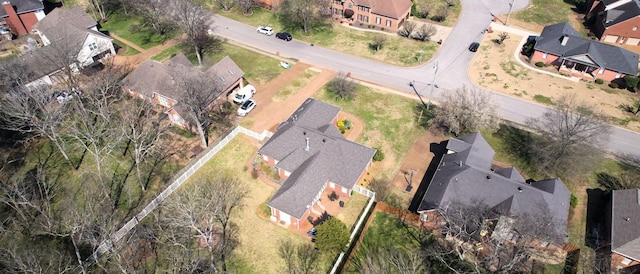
x=397 y=50
x=546 y=12
x=126 y=50
x=388 y=123
x=124 y=26
x=167 y=54
x=292 y=87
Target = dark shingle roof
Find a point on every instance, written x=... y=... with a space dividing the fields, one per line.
x=330 y=157
x=226 y=71
x=625 y=221
x=622 y=12
x=465 y=177
x=585 y=50
x=68 y=25
x=23 y=6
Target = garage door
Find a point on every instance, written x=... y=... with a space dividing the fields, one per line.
x=633 y=41
x=611 y=38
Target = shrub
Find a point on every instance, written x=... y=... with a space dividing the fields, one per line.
x=631 y=81
x=379 y=156
x=599 y=81
x=347 y=124
x=573 y=201
x=613 y=85
x=540 y=64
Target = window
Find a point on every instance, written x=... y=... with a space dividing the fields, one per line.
x=265 y=158
x=287 y=173
x=92 y=46
x=544 y=55
x=618 y=75
x=366 y=19
x=344 y=190
x=378 y=20
x=359 y=17
x=634 y=28
x=388 y=23
x=332 y=185
x=350 y=5
x=626 y=261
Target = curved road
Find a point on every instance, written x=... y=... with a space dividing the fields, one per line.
x=453 y=60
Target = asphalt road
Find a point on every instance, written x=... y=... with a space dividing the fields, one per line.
x=452 y=60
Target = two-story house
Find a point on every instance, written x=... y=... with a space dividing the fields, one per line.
x=615 y=21
x=384 y=14
x=21 y=15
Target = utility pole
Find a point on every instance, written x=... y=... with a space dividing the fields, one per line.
x=435 y=73
x=509 y=13
x=414 y=90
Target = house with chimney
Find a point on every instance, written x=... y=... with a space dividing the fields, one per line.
x=387 y=14
x=154 y=81
x=311 y=155
x=21 y=15
x=615 y=21
x=625 y=235
x=561 y=46
x=466 y=176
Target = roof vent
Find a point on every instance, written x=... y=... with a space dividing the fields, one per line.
x=627 y=219
x=488 y=177
x=230 y=72
x=519 y=189
x=307 y=148
x=324 y=140
x=304 y=133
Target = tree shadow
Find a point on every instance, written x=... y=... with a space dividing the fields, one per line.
x=517 y=142
x=438 y=149
x=422 y=116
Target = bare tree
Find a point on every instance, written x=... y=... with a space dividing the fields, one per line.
x=342 y=86
x=407 y=28
x=246 y=5
x=423 y=9
x=195 y=21
x=198 y=93
x=466 y=110
x=23 y=254
x=633 y=108
x=378 y=41
x=304 y=14
x=299 y=258
x=203 y=210
x=227 y=4
x=441 y=13
x=570 y=135
x=155 y=15
x=424 y=32
x=33 y=111
x=381 y=187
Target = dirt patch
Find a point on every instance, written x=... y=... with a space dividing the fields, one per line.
x=494 y=67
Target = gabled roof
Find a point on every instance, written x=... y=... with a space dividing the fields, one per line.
x=465 y=176
x=23 y=6
x=329 y=157
x=625 y=221
x=621 y=12
x=68 y=25
x=583 y=50
x=389 y=8
x=226 y=71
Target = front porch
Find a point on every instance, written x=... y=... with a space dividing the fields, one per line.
x=323 y=209
x=580 y=70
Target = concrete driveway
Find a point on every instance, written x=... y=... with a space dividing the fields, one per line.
x=453 y=60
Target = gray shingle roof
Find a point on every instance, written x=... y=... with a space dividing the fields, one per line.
x=585 y=50
x=465 y=177
x=226 y=71
x=625 y=221
x=68 y=25
x=622 y=12
x=23 y=6
x=330 y=157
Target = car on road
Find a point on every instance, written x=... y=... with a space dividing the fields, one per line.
x=284 y=36
x=246 y=107
x=265 y=30
x=244 y=94
x=474 y=46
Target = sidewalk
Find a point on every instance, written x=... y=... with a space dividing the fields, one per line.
x=137 y=59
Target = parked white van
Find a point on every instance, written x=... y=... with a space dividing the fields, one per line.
x=244 y=94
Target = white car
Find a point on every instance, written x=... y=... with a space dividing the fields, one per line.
x=244 y=94
x=265 y=30
x=246 y=107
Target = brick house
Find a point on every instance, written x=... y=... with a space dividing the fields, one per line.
x=386 y=14
x=615 y=21
x=625 y=235
x=154 y=81
x=21 y=15
x=466 y=176
x=562 y=46
x=311 y=155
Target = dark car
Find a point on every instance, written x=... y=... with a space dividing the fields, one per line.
x=284 y=36
x=474 y=46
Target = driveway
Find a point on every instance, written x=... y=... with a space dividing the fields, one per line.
x=453 y=60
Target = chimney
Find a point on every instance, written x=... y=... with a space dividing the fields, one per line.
x=307 y=148
x=563 y=40
x=13 y=20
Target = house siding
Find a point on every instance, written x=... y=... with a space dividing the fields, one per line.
x=29 y=19
x=618 y=33
x=103 y=45
x=616 y=262
x=367 y=16
x=607 y=75
x=624 y=31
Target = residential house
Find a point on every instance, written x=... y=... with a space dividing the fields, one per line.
x=625 y=235
x=154 y=81
x=615 y=21
x=74 y=30
x=465 y=175
x=562 y=46
x=311 y=155
x=21 y=15
x=384 y=14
